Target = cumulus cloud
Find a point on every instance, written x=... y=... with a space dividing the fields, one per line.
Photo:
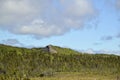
x=11 y=42
x=43 y=18
x=39 y=27
x=15 y=11
x=78 y=7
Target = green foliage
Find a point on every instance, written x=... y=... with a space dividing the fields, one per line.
x=22 y=63
x=66 y=51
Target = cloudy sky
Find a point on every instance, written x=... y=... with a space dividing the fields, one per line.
x=91 y=25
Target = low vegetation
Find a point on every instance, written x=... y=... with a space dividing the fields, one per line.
x=79 y=76
x=36 y=64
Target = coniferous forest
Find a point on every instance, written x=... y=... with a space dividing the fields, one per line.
x=21 y=63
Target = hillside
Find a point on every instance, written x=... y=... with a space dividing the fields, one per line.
x=17 y=63
x=20 y=50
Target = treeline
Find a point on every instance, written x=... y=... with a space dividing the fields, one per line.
x=18 y=63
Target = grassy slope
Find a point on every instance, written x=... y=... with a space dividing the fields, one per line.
x=66 y=51
x=95 y=59
x=79 y=76
x=8 y=48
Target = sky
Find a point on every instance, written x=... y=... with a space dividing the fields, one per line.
x=85 y=25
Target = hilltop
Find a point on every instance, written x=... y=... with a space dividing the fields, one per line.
x=47 y=49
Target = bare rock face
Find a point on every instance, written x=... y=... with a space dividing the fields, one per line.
x=50 y=49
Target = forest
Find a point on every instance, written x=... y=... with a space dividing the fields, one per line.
x=18 y=63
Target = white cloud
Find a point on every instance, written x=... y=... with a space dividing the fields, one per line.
x=12 y=11
x=78 y=8
x=43 y=18
x=39 y=28
x=20 y=11
x=90 y=51
x=104 y=51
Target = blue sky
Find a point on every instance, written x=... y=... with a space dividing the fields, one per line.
x=85 y=25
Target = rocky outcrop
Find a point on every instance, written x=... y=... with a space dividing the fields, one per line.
x=50 y=49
